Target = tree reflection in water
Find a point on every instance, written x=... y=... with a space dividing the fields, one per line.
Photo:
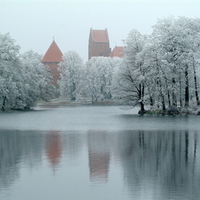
x=160 y=164
x=164 y=161
x=17 y=147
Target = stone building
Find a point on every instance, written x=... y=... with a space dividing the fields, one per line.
x=98 y=43
x=52 y=58
x=118 y=51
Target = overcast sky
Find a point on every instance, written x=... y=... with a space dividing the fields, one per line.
x=34 y=23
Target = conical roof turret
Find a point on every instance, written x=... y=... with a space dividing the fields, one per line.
x=53 y=54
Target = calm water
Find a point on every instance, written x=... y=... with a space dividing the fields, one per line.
x=98 y=153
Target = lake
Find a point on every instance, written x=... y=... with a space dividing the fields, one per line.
x=98 y=153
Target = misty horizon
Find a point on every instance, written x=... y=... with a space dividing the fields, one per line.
x=34 y=24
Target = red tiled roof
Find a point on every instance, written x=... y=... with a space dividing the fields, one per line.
x=117 y=52
x=99 y=35
x=53 y=54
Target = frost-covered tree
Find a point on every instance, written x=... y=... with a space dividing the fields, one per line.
x=98 y=78
x=70 y=69
x=10 y=73
x=129 y=82
x=157 y=74
x=36 y=78
x=161 y=69
x=178 y=43
x=23 y=79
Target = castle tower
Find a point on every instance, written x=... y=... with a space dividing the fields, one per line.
x=98 y=43
x=118 y=51
x=52 y=58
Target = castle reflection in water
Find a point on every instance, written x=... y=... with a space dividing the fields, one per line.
x=168 y=158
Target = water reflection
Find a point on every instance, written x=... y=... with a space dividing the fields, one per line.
x=53 y=148
x=99 y=155
x=161 y=163
x=73 y=144
x=15 y=147
x=153 y=164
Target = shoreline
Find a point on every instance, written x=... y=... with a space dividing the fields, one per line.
x=65 y=102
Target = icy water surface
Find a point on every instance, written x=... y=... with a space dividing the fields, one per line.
x=98 y=153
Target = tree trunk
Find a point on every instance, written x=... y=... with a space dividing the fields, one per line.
x=142 y=106
x=161 y=95
x=151 y=100
x=168 y=96
x=163 y=103
x=4 y=103
x=180 y=91
x=186 y=87
x=174 y=100
x=141 y=99
x=142 y=110
x=195 y=84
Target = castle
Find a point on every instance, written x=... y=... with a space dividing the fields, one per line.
x=52 y=58
x=98 y=46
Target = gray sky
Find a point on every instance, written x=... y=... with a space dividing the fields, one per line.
x=33 y=23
